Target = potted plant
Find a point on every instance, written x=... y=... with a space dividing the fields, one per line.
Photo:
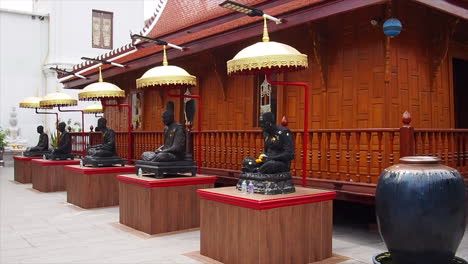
x=53 y=139
x=3 y=143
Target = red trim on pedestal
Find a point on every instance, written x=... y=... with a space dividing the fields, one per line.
x=25 y=158
x=266 y=204
x=100 y=170
x=56 y=162
x=168 y=182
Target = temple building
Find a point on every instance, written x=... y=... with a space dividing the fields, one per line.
x=234 y=131
x=361 y=83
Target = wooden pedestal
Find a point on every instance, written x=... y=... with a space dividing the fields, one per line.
x=286 y=228
x=23 y=168
x=161 y=205
x=49 y=175
x=89 y=187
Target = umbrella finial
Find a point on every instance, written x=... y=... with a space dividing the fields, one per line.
x=165 y=63
x=100 y=75
x=265 y=38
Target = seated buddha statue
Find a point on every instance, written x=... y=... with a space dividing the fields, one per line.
x=269 y=173
x=63 y=149
x=104 y=154
x=42 y=146
x=174 y=141
x=171 y=156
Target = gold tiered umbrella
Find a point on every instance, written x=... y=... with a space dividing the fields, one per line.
x=166 y=76
x=94 y=108
x=34 y=102
x=57 y=99
x=101 y=90
x=269 y=57
x=31 y=102
x=169 y=76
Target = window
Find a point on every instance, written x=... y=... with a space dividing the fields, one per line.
x=102 y=29
x=265 y=98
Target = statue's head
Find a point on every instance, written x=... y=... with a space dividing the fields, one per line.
x=40 y=129
x=61 y=126
x=168 y=115
x=267 y=121
x=101 y=124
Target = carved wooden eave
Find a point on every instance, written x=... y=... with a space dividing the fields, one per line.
x=219 y=70
x=319 y=53
x=441 y=39
x=457 y=8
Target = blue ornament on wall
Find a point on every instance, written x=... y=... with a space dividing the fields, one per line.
x=392 y=27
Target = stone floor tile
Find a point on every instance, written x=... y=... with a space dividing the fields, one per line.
x=40 y=227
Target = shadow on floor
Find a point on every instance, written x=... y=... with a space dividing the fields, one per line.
x=354 y=214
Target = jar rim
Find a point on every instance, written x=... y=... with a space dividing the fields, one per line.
x=420 y=160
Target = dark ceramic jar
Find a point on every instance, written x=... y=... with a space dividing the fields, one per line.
x=420 y=207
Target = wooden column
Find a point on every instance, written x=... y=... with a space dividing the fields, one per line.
x=22 y=167
x=161 y=205
x=49 y=175
x=289 y=228
x=89 y=187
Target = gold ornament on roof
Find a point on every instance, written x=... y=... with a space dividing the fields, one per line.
x=100 y=89
x=166 y=75
x=267 y=55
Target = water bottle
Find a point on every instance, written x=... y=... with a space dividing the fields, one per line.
x=251 y=188
x=244 y=187
x=44 y=157
x=81 y=163
x=140 y=172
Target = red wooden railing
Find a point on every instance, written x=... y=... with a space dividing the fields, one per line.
x=336 y=158
x=450 y=145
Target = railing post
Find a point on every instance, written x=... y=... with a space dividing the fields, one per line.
x=406 y=136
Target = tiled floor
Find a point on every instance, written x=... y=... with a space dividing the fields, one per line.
x=40 y=227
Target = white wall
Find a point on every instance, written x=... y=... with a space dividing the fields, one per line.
x=29 y=47
x=23 y=43
x=71 y=32
x=71 y=22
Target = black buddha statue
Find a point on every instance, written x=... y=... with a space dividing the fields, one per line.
x=269 y=173
x=42 y=146
x=171 y=157
x=174 y=141
x=105 y=154
x=63 y=149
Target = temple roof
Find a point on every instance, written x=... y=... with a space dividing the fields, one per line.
x=189 y=14
x=183 y=22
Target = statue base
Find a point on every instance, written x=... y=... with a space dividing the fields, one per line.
x=275 y=183
x=103 y=161
x=35 y=153
x=60 y=157
x=163 y=169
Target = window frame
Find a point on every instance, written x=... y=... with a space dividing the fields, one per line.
x=100 y=13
